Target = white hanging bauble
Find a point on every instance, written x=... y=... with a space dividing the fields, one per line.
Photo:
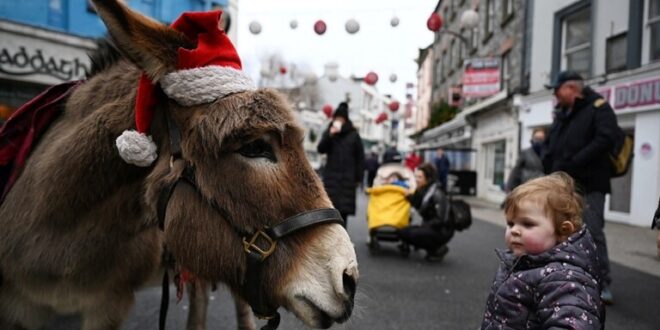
x=352 y=26
x=255 y=27
x=393 y=77
x=394 y=21
x=293 y=24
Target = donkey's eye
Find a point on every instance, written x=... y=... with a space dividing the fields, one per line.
x=258 y=149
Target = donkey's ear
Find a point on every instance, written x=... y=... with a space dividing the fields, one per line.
x=151 y=45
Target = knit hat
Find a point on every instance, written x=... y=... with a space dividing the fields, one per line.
x=341 y=111
x=204 y=74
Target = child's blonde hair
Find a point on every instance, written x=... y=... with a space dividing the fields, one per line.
x=555 y=193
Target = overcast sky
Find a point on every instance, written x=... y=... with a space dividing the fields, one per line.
x=377 y=46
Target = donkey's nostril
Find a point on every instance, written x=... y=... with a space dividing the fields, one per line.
x=349 y=285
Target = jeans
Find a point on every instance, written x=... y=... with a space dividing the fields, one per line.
x=593 y=216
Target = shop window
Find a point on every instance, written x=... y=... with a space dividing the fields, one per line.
x=495 y=158
x=615 y=53
x=576 y=50
x=57 y=14
x=489 y=22
x=654 y=28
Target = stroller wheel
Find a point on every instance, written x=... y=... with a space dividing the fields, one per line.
x=374 y=246
x=404 y=249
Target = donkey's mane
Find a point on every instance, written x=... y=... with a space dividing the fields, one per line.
x=105 y=56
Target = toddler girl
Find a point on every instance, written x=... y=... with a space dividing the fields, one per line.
x=548 y=277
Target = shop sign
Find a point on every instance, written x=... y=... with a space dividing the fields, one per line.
x=24 y=62
x=44 y=57
x=632 y=95
x=481 y=77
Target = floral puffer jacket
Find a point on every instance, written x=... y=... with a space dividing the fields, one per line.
x=555 y=289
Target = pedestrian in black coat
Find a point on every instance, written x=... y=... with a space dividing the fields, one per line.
x=344 y=168
x=579 y=143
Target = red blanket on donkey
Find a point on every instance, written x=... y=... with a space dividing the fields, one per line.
x=23 y=129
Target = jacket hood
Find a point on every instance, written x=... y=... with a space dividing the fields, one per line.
x=579 y=250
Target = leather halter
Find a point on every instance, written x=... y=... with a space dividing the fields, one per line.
x=256 y=254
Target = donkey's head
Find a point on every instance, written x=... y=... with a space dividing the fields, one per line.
x=237 y=170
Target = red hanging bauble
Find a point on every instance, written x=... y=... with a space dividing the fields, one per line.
x=371 y=78
x=381 y=118
x=327 y=110
x=320 y=27
x=283 y=70
x=394 y=106
x=434 y=23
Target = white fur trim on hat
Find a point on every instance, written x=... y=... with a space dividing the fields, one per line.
x=205 y=84
x=136 y=148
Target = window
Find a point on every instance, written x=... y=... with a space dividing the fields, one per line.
x=506 y=70
x=615 y=53
x=438 y=71
x=577 y=41
x=454 y=53
x=461 y=50
x=474 y=40
x=654 y=27
x=444 y=65
x=495 y=154
x=489 y=22
x=507 y=11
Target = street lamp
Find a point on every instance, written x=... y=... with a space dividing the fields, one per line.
x=469 y=20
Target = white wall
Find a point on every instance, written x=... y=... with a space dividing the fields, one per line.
x=645 y=194
x=541 y=43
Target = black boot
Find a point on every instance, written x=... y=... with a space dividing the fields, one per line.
x=438 y=254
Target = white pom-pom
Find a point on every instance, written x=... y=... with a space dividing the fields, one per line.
x=136 y=148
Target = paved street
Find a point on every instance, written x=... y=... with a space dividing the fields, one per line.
x=409 y=293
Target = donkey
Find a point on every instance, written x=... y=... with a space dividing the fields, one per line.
x=231 y=188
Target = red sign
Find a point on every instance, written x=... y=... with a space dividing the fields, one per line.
x=481 y=77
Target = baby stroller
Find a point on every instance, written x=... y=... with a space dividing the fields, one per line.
x=388 y=210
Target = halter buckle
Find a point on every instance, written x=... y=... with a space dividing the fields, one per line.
x=251 y=246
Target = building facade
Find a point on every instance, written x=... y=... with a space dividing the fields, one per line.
x=616 y=46
x=484 y=134
x=43 y=43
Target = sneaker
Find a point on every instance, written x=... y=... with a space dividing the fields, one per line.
x=438 y=254
x=606 y=296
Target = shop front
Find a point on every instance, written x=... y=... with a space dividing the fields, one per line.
x=32 y=59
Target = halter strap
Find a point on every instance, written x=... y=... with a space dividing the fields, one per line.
x=256 y=253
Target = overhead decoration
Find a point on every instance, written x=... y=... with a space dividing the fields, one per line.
x=255 y=27
x=469 y=19
x=327 y=110
x=381 y=118
x=393 y=77
x=371 y=78
x=394 y=106
x=293 y=24
x=352 y=26
x=282 y=69
x=394 y=21
x=320 y=27
x=434 y=23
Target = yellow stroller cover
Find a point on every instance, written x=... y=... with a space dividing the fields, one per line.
x=388 y=206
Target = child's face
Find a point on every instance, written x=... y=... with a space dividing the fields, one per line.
x=531 y=231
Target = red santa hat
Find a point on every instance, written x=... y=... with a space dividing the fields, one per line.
x=204 y=74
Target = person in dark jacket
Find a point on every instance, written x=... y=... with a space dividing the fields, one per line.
x=344 y=168
x=372 y=165
x=529 y=165
x=548 y=277
x=579 y=143
x=655 y=223
x=430 y=202
x=442 y=165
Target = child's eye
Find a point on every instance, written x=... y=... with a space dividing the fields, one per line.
x=509 y=224
x=528 y=224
